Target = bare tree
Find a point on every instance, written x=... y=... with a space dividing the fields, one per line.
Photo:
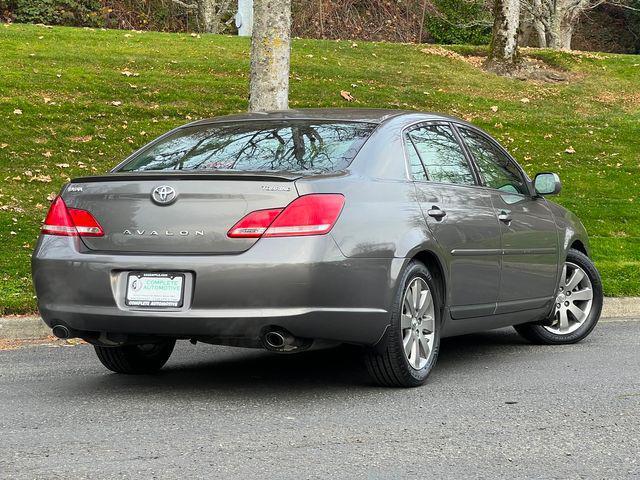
x=503 y=52
x=551 y=23
x=211 y=13
x=270 y=54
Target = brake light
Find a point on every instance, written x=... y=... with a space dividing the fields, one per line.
x=70 y=222
x=314 y=214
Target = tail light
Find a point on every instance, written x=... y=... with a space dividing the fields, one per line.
x=254 y=224
x=70 y=222
x=313 y=214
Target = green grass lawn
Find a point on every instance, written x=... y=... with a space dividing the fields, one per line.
x=76 y=101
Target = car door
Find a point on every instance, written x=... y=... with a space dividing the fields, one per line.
x=528 y=230
x=459 y=215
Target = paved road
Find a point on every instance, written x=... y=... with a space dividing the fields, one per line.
x=494 y=407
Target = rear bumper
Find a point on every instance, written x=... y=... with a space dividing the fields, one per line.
x=302 y=284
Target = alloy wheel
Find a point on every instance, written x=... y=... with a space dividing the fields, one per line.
x=574 y=299
x=418 y=323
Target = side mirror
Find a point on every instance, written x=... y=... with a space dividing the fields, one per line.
x=547 y=184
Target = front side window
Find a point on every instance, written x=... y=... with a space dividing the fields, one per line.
x=297 y=145
x=496 y=168
x=441 y=154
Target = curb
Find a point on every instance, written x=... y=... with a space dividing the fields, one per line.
x=23 y=328
x=19 y=327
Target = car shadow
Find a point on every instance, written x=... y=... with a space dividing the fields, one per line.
x=229 y=370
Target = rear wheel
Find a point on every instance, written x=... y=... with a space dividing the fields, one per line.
x=413 y=338
x=136 y=359
x=578 y=304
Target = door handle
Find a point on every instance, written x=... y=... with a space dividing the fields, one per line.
x=436 y=212
x=504 y=216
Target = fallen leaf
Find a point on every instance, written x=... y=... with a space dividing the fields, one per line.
x=347 y=96
x=62 y=165
x=570 y=150
x=51 y=196
x=494 y=108
x=116 y=103
x=47 y=154
x=17 y=111
x=525 y=100
x=41 y=178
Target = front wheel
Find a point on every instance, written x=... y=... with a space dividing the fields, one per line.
x=413 y=338
x=136 y=359
x=577 y=307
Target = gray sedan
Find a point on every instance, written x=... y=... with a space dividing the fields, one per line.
x=290 y=230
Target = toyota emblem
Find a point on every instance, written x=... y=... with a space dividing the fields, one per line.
x=164 y=195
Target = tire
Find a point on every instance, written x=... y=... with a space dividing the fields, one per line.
x=136 y=359
x=388 y=364
x=546 y=334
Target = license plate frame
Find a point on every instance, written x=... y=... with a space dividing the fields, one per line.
x=173 y=299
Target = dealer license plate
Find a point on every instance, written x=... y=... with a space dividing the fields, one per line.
x=155 y=289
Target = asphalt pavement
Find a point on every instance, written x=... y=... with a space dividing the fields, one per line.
x=494 y=407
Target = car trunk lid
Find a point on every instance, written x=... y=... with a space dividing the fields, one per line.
x=194 y=220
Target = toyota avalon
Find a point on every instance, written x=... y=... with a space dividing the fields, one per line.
x=282 y=230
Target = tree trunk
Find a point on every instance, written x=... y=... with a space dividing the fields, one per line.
x=566 y=34
x=503 y=52
x=554 y=29
x=541 y=34
x=270 y=53
x=208 y=16
x=555 y=20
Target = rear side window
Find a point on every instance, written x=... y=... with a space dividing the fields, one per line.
x=415 y=164
x=496 y=168
x=295 y=146
x=441 y=155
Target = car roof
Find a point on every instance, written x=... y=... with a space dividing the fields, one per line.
x=370 y=115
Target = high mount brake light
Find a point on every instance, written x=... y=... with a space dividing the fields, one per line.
x=314 y=214
x=70 y=222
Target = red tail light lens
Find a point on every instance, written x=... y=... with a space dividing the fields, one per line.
x=307 y=215
x=254 y=224
x=85 y=223
x=313 y=214
x=70 y=222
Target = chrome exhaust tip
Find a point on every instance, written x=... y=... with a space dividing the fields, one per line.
x=274 y=340
x=61 y=332
x=279 y=340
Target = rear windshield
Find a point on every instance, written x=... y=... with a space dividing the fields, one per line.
x=299 y=145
